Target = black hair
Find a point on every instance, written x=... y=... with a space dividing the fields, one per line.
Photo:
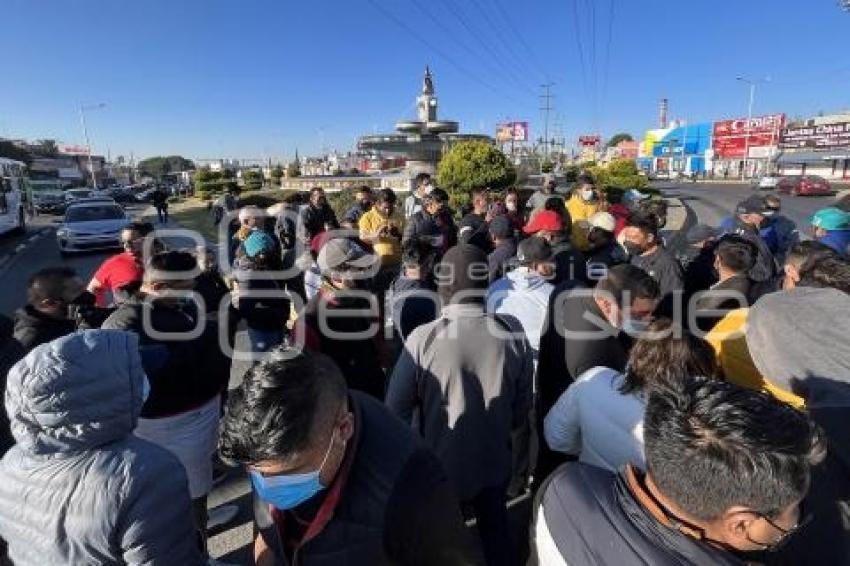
x=49 y=284
x=315 y=190
x=711 y=445
x=627 y=280
x=140 y=228
x=281 y=403
x=387 y=195
x=421 y=178
x=735 y=253
x=803 y=254
x=645 y=221
x=438 y=195
x=364 y=189
x=415 y=252
x=831 y=272
x=170 y=262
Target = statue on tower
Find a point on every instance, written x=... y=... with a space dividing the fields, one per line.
x=428 y=83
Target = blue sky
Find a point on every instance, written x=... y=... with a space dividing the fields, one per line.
x=250 y=78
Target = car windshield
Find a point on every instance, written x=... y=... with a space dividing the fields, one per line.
x=93 y=213
x=80 y=194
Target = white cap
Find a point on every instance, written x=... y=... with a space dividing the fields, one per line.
x=250 y=211
x=604 y=220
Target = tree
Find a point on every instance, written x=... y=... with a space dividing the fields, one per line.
x=617 y=138
x=293 y=170
x=46 y=148
x=11 y=151
x=547 y=166
x=473 y=164
x=276 y=174
x=252 y=180
x=159 y=166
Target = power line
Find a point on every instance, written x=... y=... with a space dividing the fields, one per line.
x=546 y=108
x=474 y=33
x=580 y=48
x=532 y=56
x=413 y=33
x=501 y=38
x=606 y=68
x=455 y=36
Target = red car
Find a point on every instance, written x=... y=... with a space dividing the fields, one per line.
x=797 y=185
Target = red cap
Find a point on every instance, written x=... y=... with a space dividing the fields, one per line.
x=544 y=220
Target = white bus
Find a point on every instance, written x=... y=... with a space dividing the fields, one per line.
x=13 y=191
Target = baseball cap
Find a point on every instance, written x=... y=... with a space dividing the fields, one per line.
x=258 y=242
x=500 y=227
x=752 y=205
x=603 y=220
x=830 y=219
x=533 y=250
x=700 y=233
x=544 y=220
x=341 y=253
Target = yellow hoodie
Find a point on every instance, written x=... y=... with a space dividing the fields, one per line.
x=580 y=212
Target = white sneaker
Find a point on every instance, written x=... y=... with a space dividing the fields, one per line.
x=221 y=515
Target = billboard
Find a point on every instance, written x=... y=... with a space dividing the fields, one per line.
x=730 y=136
x=512 y=132
x=71 y=149
x=815 y=137
x=589 y=140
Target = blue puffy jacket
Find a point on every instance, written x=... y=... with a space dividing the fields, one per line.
x=839 y=240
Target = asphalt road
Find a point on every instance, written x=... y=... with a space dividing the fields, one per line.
x=710 y=203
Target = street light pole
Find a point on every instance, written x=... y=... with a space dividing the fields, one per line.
x=86 y=136
x=752 y=84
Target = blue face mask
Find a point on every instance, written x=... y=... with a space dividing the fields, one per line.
x=289 y=491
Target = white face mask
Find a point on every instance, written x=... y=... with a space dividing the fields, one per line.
x=634 y=327
x=587 y=194
x=510 y=205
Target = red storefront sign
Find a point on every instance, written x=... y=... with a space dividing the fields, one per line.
x=729 y=140
x=589 y=140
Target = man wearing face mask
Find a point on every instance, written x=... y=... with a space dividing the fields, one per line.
x=187 y=374
x=51 y=294
x=413 y=203
x=641 y=240
x=583 y=204
x=122 y=269
x=586 y=328
x=336 y=478
x=342 y=320
x=433 y=224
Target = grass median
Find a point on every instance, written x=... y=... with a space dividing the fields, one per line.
x=194 y=215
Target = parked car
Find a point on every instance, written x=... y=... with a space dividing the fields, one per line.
x=76 y=194
x=48 y=203
x=122 y=195
x=797 y=185
x=766 y=182
x=93 y=224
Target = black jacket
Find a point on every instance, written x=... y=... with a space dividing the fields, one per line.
x=395 y=506
x=765 y=268
x=356 y=355
x=424 y=226
x=497 y=259
x=259 y=312
x=312 y=221
x=594 y=519
x=662 y=266
x=11 y=352
x=183 y=374
x=414 y=303
x=719 y=298
x=699 y=271
x=33 y=328
x=570 y=264
x=473 y=229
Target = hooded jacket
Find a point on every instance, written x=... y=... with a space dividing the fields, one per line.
x=78 y=487
x=523 y=295
x=33 y=328
x=839 y=240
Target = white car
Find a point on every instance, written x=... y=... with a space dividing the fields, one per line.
x=766 y=182
x=91 y=225
x=72 y=195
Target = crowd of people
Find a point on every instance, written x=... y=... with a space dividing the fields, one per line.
x=418 y=376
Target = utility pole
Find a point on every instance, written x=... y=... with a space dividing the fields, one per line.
x=547 y=107
x=752 y=84
x=83 y=110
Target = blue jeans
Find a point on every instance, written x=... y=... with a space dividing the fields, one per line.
x=264 y=340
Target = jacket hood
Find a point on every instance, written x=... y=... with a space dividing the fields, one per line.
x=797 y=339
x=403 y=283
x=78 y=392
x=525 y=280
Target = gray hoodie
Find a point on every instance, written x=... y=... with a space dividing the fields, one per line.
x=78 y=487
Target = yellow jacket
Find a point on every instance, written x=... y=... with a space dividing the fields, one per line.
x=580 y=212
x=728 y=338
x=387 y=247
